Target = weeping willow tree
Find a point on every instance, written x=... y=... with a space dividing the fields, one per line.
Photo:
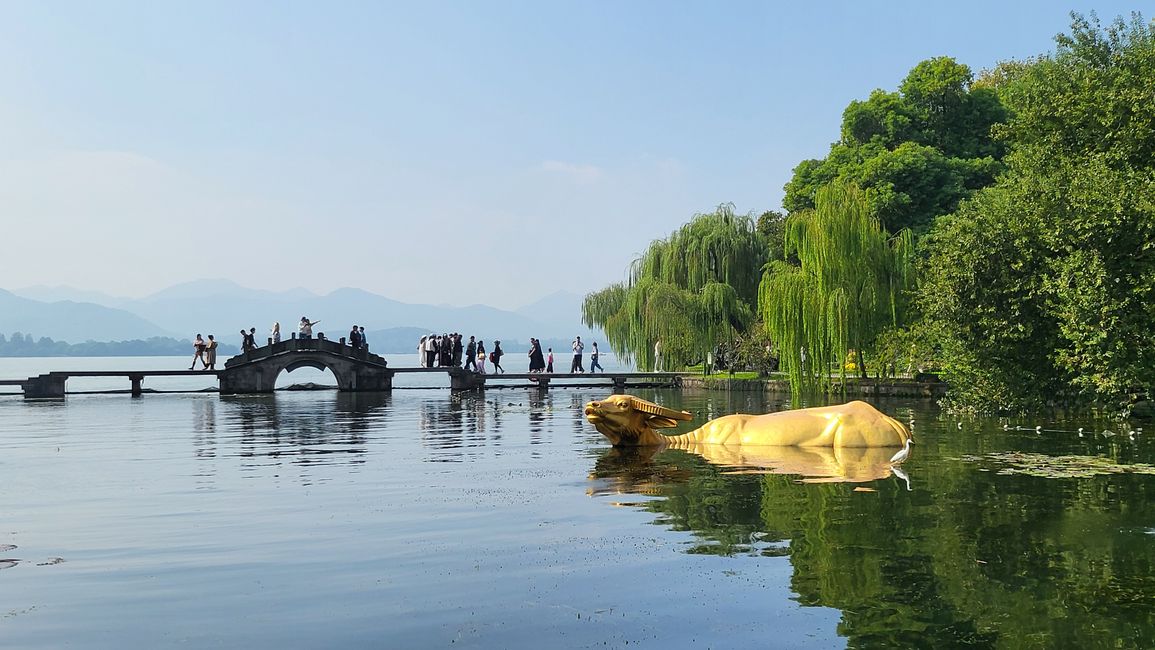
x=690 y=291
x=847 y=287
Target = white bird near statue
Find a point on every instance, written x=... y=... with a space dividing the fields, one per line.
x=902 y=453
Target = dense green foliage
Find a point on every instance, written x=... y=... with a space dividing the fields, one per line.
x=690 y=291
x=1043 y=286
x=915 y=152
x=1029 y=195
x=847 y=286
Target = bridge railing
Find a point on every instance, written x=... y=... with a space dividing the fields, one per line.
x=302 y=345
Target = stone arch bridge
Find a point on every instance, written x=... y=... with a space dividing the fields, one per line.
x=356 y=370
x=256 y=371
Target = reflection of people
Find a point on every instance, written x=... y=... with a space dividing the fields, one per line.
x=198 y=352
x=211 y=354
x=276 y=334
x=658 y=355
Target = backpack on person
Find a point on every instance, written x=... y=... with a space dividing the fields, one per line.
x=492 y=358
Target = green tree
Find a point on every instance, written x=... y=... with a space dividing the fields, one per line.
x=1044 y=285
x=916 y=152
x=771 y=226
x=979 y=284
x=848 y=286
x=691 y=291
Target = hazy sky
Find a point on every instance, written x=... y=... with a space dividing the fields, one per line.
x=446 y=152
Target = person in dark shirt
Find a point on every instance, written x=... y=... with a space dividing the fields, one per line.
x=495 y=356
x=470 y=355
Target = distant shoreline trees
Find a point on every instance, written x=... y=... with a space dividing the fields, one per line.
x=19 y=344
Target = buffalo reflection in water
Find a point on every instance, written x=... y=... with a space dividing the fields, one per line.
x=634 y=470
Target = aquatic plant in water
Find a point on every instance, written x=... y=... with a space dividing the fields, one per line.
x=1042 y=465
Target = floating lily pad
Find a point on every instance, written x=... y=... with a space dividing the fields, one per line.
x=1028 y=464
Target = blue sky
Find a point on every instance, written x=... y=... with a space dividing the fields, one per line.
x=453 y=152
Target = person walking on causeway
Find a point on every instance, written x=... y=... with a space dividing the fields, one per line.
x=594 y=365
x=198 y=352
x=470 y=354
x=495 y=357
x=431 y=351
x=536 y=358
x=578 y=347
x=211 y=354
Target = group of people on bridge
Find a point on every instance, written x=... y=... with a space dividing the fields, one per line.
x=448 y=351
x=451 y=351
x=433 y=350
x=205 y=352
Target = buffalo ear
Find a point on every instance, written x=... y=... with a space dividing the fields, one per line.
x=660 y=422
x=659 y=416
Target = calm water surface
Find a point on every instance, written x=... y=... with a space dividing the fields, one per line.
x=423 y=520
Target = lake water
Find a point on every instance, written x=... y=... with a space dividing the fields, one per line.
x=420 y=519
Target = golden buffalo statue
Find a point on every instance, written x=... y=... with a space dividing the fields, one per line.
x=630 y=421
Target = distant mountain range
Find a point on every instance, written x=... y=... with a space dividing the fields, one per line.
x=70 y=321
x=223 y=308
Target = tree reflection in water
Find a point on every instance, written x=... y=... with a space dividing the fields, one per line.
x=966 y=558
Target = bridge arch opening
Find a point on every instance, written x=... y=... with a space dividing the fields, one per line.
x=306 y=372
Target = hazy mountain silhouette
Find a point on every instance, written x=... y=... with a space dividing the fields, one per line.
x=223 y=308
x=74 y=322
x=44 y=293
x=560 y=315
x=221 y=288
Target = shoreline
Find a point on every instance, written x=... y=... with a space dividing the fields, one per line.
x=853 y=387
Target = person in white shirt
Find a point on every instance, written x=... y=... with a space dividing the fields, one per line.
x=305 y=329
x=578 y=347
x=658 y=355
x=431 y=351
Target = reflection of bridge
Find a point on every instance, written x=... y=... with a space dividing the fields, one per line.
x=356 y=370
